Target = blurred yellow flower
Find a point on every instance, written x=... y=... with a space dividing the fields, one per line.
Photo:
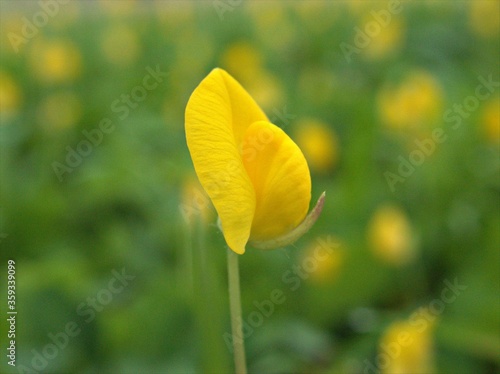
x=172 y=15
x=59 y=111
x=407 y=347
x=328 y=261
x=55 y=61
x=120 y=45
x=484 y=17
x=390 y=235
x=255 y=175
x=10 y=95
x=118 y=8
x=195 y=203
x=491 y=120
x=243 y=60
x=245 y=63
x=415 y=104
x=388 y=40
x=319 y=144
x=267 y=90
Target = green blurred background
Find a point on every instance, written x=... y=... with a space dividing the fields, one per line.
x=389 y=104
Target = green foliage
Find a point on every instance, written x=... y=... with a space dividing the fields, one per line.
x=82 y=199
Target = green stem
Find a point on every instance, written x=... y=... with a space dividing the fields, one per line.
x=185 y=277
x=235 y=309
x=208 y=307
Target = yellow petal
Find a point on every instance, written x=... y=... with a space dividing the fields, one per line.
x=280 y=177
x=217 y=116
x=292 y=236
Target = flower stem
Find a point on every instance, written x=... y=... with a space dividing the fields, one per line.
x=235 y=309
x=209 y=310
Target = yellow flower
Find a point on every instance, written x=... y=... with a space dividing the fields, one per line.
x=118 y=8
x=194 y=202
x=243 y=60
x=491 y=120
x=328 y=260
x=386 y=41
x=407 y=346
x=319 y=143
x=390 y=235
x=415 y=104
x=245 y=63
x=172 y=16
x=56 y=61
x=267 y=90
x=255 y=175
x=484 y=17
x=10 y=95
